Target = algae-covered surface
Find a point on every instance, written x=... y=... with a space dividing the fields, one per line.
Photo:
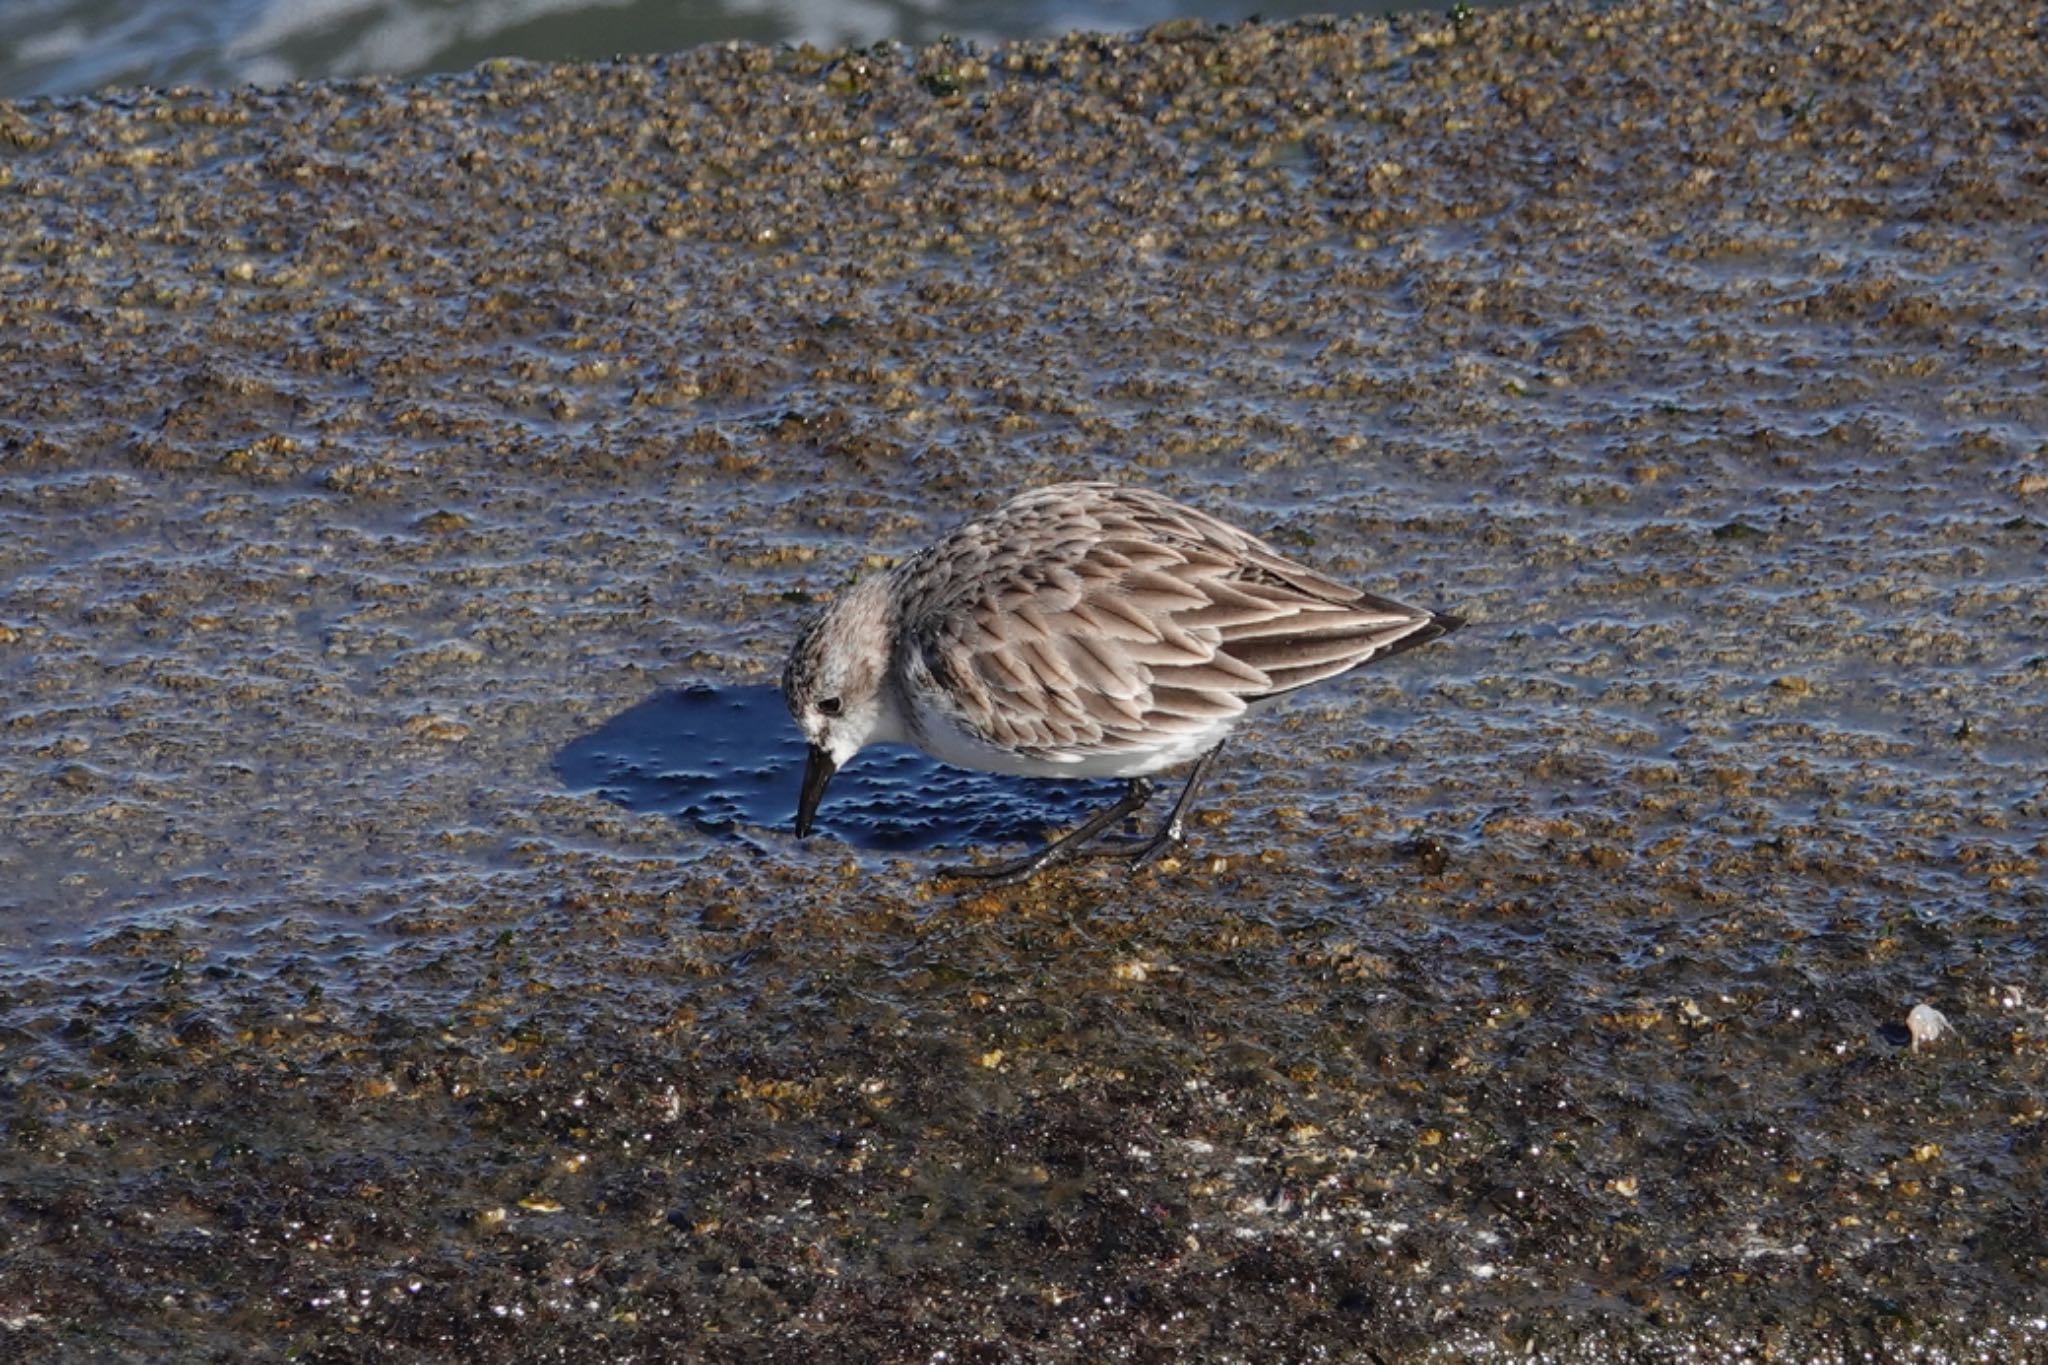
x=408 y=491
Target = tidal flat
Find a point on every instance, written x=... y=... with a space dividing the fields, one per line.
x=408 y=491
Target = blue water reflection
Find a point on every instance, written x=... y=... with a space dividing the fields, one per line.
x=727 y=759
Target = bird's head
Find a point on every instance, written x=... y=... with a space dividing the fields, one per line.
x=833 y=685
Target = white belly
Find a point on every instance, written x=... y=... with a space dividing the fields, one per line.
x=944 y=739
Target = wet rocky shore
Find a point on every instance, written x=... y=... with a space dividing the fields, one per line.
x=381 y=464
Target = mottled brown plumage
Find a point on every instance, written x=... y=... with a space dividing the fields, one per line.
x=1088 y=619
x=1083 y=629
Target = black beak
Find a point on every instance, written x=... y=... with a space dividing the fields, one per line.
x=818 y=770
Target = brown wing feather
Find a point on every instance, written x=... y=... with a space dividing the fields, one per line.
x=1088 y=618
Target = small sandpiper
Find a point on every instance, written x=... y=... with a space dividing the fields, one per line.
x=1079 y=630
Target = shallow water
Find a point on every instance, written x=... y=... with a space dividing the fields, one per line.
x=408 y=493
x=727 y=761
x=73 y=47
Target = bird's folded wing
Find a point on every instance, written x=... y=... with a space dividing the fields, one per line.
x=1135 y=626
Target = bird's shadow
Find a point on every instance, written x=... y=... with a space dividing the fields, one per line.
x=726 y=761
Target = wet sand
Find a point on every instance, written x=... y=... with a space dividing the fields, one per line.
x=367 y=448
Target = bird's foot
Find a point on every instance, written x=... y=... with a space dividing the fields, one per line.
x=1010 y=872
x=1138 y=849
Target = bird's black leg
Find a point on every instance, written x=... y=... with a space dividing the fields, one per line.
x=1170 y=832
x=1136 y=793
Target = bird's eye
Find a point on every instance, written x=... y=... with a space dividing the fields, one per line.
x=830 y=706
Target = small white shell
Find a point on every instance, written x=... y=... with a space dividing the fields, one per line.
x=1927 y=1025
